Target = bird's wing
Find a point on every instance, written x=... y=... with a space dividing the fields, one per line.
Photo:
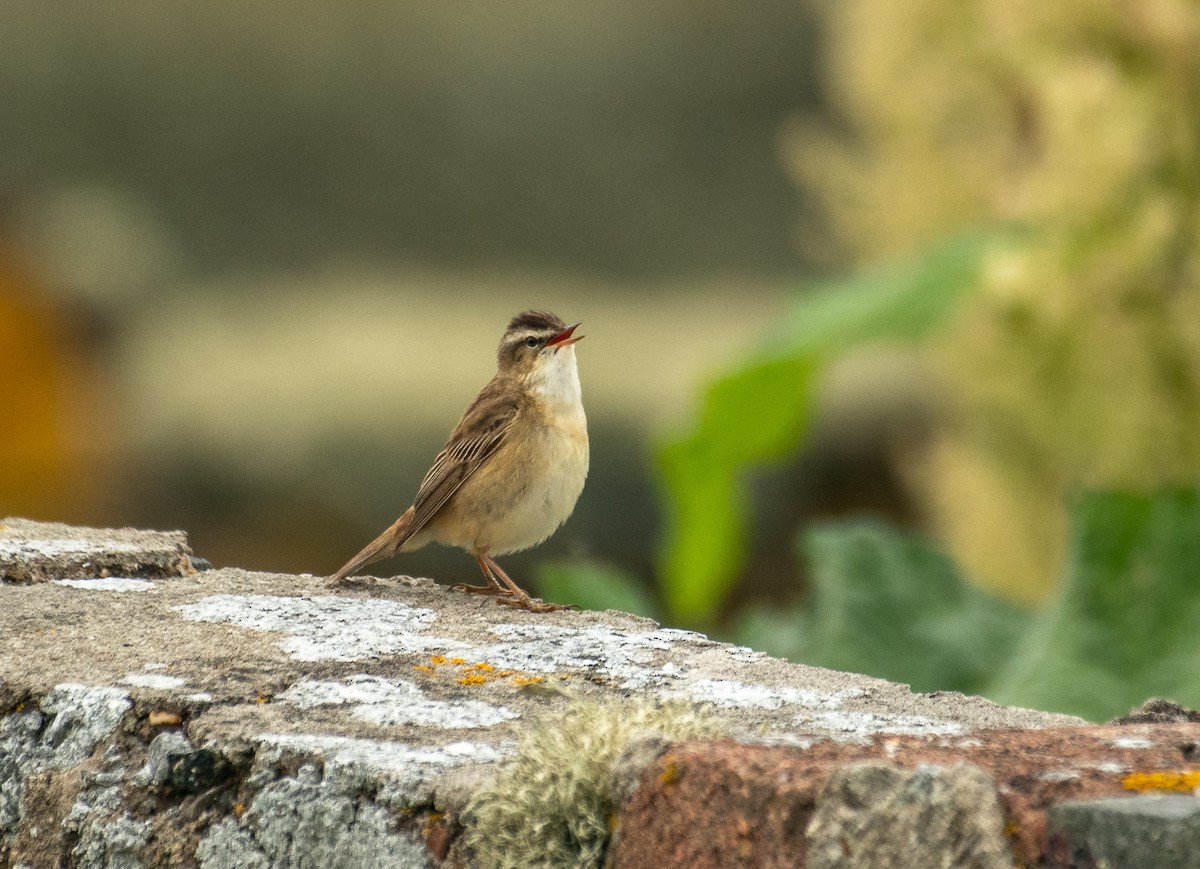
x=477 y=436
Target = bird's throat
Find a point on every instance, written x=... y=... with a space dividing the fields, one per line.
x=556 y=379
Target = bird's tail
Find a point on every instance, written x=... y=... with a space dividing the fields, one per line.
x=384 y=546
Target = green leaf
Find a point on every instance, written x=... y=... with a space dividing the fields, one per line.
x=759 y=411
x=892 y=605
x=594 y=586
x=900 y=300
x=1125 y=623
x=754 y=414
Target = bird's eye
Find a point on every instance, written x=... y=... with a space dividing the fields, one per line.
x=531 y=342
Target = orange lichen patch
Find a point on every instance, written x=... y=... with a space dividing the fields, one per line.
x=239 y=809
x=262 y=698
x=1162 y=780
x=480 y=672
x=431 y=821
x=20 y=707
x=671 y=773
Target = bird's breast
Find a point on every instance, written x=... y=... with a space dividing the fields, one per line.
x=527 y=489
x=556 y=467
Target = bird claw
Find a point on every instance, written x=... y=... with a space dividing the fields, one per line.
x=480 y=589
x=534 y=605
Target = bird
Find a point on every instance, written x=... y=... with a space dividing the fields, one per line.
x=513 y=468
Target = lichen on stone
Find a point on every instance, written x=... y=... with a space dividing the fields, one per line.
x=553 y=804
x=394 y=701
x=1183 y=781
x=326 y=628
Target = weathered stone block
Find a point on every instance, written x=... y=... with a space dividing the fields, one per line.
x=876 y=814
x=1157 y=830
x=233 y=718
x=48 y=551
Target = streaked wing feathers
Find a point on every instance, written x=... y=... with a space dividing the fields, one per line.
x=476 y=437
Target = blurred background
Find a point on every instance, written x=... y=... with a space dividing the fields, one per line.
x=935 y=266
x=271 y=254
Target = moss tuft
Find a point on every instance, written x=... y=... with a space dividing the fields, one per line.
x=553 y=805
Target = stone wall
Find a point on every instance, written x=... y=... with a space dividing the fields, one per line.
x=157 y=713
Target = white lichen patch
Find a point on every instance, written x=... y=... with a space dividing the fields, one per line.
x=107 y=583
x=340 y=753
x=58 y=547
x=789 y=740
x=157 y=681
x=327 y=628
x=858 y=725
x=394 y=702
x=628 y=657
x=731 y=694
x=1132 y=742
x=1106 y=766
x=1059 y=775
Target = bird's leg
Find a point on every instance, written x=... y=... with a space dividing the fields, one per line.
x=517 y=597
x=492 y=587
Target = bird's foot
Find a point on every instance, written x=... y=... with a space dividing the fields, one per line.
x=480 y=589
x=533 y=604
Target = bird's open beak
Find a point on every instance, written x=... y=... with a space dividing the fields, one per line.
x=563 y=338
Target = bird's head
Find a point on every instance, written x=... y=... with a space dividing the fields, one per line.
x=534 y=339
x=537 y=348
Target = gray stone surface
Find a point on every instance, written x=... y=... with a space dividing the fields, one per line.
x=158 y=760
x=875 y=814
x=114 y=844
x=46 y=551
x=308 y=823
x=251 y=719
x=1162 y=831
x=71 y=721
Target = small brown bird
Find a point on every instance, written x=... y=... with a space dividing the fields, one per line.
x=514 y=465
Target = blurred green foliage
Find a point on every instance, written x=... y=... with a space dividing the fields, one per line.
x=1073 y=366
x=895 y=606
x=760 y=410
x=593 y=585
x=1077 y=365
x=891 y=605
x=1123 y=626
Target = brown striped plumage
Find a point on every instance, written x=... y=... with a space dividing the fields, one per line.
x=514 y=465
